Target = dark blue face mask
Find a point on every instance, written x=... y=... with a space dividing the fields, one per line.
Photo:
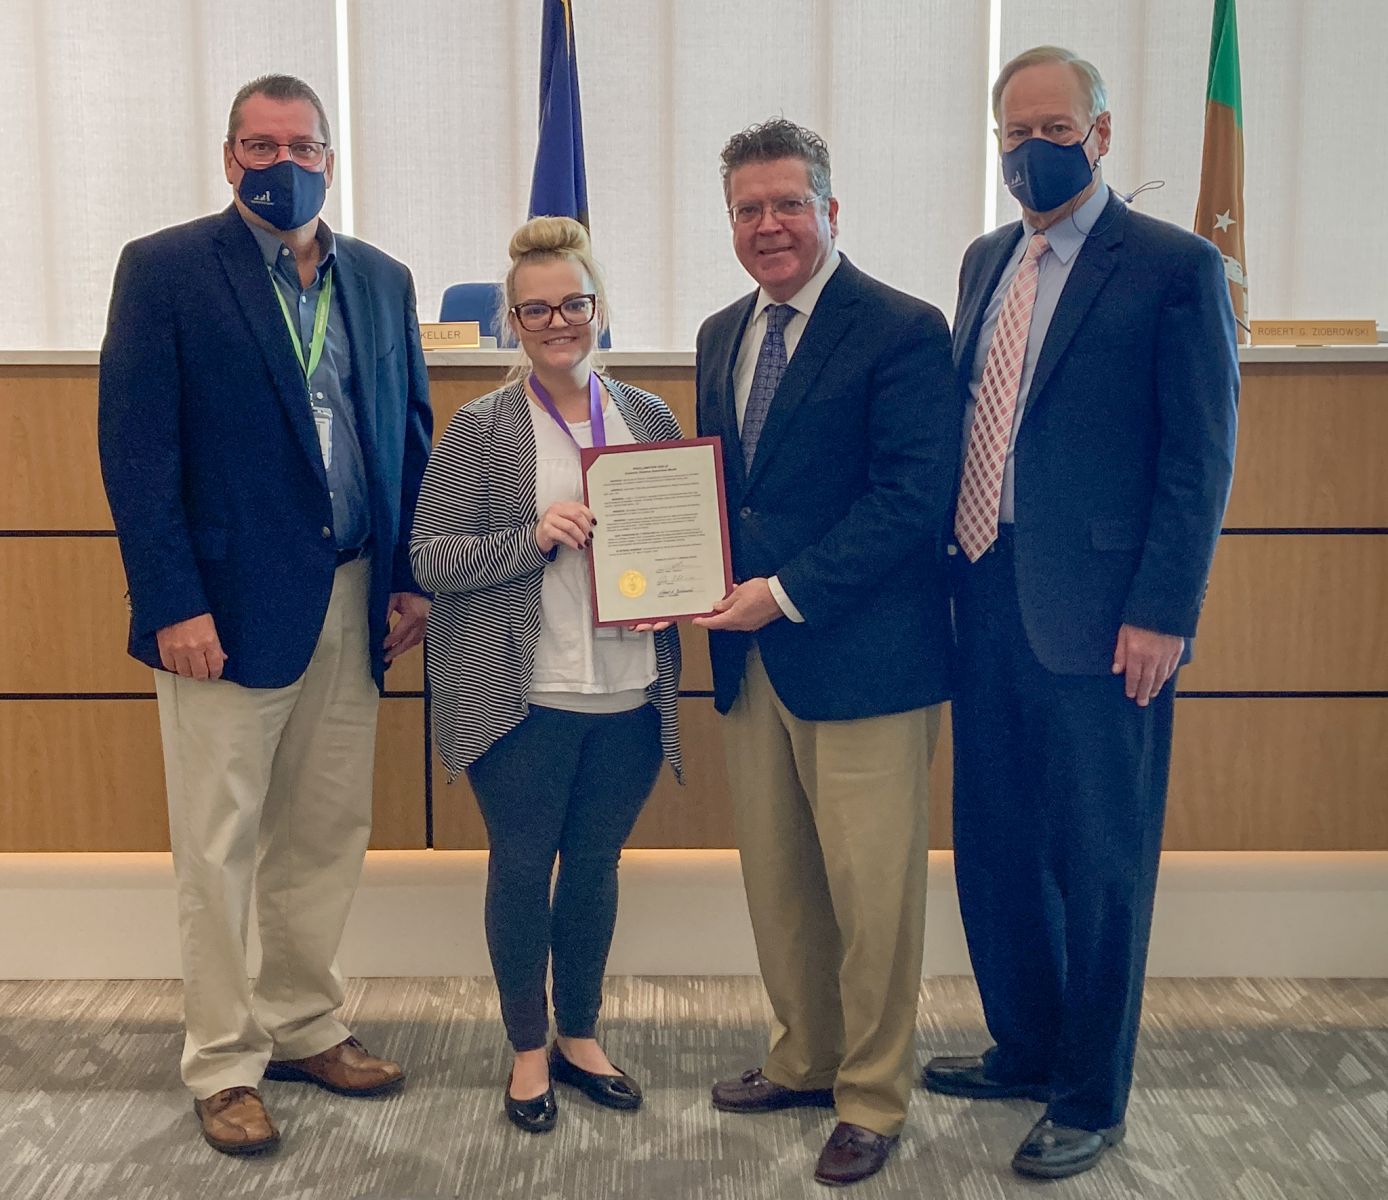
x=285 y=194
x=1043 y=176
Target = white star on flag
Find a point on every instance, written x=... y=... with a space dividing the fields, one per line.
x=1223 y=221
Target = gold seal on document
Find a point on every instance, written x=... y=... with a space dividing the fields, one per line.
x=632 y=584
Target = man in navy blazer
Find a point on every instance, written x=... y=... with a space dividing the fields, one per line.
x=1097 y=350
x=834 y=399
x=264 y=426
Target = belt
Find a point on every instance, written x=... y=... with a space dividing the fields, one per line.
x=350 y=555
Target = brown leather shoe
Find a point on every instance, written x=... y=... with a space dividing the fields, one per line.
x=234 y=1121
x=754 y=1092
x=346 y=1069
x=852 y=1153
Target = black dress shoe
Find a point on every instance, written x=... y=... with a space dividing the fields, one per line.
x=613 y=1091
x=966 y=1077
x=534 y=1116
x=852 y=1153
x=1054 y=1151
x=754 y=1092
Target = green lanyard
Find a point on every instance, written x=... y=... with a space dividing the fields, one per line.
x=320 y=326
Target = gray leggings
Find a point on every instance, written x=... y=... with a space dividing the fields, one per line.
x=567 y=784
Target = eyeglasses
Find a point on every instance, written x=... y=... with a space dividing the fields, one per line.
x=262 y=152
x=786 y=209
x=536 y=315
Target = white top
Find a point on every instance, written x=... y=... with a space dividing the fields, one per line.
x=578 y=667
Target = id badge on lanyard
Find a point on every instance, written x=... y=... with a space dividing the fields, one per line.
x=322 y=413
x=323 y=422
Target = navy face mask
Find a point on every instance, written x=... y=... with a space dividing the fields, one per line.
x=1043 y=176
x=285 y=194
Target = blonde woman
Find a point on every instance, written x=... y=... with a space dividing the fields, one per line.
x=560 y=727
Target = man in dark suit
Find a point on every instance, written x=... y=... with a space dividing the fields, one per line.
x=1097 y=346
x=264 y=425
x=840 y=425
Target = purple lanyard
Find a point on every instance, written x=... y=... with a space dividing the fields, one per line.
x=594 y=409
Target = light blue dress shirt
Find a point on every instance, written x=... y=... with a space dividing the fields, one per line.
x=1064 y=239
x=332 y=382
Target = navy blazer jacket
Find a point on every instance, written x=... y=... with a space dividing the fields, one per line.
x=1125 y=452
x=209 y=453
x=847 y=501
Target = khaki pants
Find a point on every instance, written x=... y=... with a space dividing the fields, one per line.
x=831 y=825
x=271 y=788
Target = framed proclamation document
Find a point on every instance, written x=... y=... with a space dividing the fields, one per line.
x=660 y=547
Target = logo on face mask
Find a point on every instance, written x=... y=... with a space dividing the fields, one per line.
x=285 y=194
x=1042 y=175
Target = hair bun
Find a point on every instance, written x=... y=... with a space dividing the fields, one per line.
x=550 y=235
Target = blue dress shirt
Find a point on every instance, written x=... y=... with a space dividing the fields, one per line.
x=331 y=382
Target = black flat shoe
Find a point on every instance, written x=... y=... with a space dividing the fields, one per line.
x=966 y=1077
x=534 y=1116
x=611 y=1091
x=1053 y=1151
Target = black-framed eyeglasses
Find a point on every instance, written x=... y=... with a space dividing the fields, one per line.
x=787 y=208
x=262 y=152
x=536 y=315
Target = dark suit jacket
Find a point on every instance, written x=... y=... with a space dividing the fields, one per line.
x=847 y=501
x=1125 y=451
x=209 y=452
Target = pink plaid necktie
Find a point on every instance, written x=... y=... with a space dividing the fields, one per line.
x=980 y=490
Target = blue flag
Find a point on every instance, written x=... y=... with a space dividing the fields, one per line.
x=560 y=185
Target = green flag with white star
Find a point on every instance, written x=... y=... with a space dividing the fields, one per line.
x=1219 y=210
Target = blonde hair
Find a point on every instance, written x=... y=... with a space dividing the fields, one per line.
x=547 y=239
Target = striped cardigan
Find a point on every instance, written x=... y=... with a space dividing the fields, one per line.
x=473 y=545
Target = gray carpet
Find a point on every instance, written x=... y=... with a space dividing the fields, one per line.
x=1246 y=1089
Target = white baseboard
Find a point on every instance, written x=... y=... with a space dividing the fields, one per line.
x=111 y=916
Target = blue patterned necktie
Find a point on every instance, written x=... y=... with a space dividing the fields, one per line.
x=771 y=365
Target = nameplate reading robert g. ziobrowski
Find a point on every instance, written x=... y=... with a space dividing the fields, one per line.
x=660 y=547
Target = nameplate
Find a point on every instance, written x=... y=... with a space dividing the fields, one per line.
x=1315 y=333
x=450 y=335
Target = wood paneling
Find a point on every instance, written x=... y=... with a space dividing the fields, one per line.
x=1296 y=466
x=1260 y=774
x=674 y=385
x=1247 y=774
x=457 y=821
x=406 y=673
x=69 y=621
x=699 y=814
x=51 y=477
x=1310 y=447
x=696 y=673
x=452 y=387
x=1284 y=613
x=89 y=775
x=1294 y=613
x=81 y=775
x=397 y=821
x=1279 y=774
